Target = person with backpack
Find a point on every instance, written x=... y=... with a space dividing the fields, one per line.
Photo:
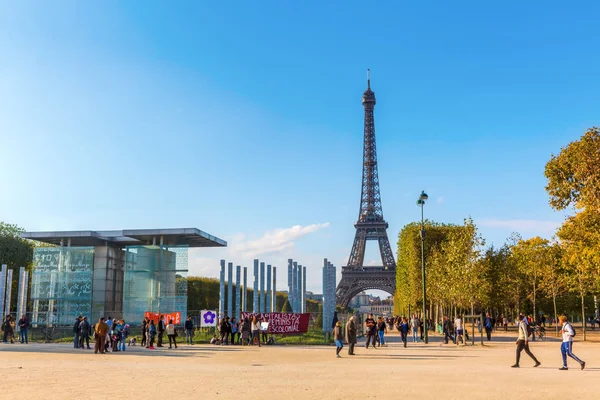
x=488 y=325
x=522 y=343
x=566 y=348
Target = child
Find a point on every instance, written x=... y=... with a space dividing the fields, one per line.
x=338 y=336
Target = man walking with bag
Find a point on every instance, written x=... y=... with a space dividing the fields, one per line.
x=522 y=344
x=566 y=347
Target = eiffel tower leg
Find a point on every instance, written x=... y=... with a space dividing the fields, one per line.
x=387 y=257
x=357 y=255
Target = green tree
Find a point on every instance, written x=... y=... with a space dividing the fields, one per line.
x=287 y=307
x=574 y=174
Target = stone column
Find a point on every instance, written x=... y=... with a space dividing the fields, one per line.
x=230 y=290
x=262 y=287
x=274 y=293
x=245 y=293
x=303 y=289
x=255 y=287
x=290 y=282
x=294 y=286
x=2 y=290
x=9 y=279
x=237 y=292
x=222 y=290
x=325 y=284
x=269 y=294
x=299 y=290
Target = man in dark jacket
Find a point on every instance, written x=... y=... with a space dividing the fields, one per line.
x=189 y=330
x=23 y=326
x=351 y=335
x=76 y=332
x=488 y=325
x=84 y=333
x=161 y=330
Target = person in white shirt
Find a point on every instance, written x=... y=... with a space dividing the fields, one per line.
x=522 y=342
x=414 y=325
x=458 y=327
x=566 y=347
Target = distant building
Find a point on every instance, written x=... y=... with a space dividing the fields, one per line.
x=314 y=296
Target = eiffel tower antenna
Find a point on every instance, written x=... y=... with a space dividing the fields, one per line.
x=370 y=224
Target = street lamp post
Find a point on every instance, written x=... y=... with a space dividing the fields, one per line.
x=421 y=203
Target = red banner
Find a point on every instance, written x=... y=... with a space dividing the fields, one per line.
x=175 y=316
x=283 y=323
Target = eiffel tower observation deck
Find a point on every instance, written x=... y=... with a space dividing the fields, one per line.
x=370 y=224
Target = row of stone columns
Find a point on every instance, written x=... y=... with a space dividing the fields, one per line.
x=6 y=279
x=296 y=286
x=329 y=297
x=263 y=301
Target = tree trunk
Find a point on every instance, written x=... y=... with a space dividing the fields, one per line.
x=583 y=316
x=555 y=316
x=534 y=314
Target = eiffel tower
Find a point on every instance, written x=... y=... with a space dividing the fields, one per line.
x=370 y=225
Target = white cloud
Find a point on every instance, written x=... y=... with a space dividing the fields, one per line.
x=521 y=225
x=440 y=200
x=274 y=247
x=273 y=241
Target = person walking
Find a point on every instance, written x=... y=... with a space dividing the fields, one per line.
x=255 y=330
x=381 y=331
x=522 y=344
x=189 y=330
x=446 y=328
x=84 y=333
x=488 y=325
x=338 y=336
x=566 y=347
x=246 y=331
x=371 y=328
x=23 y=326
x=151 y=335
x=171 y=334
x=100 y=331
x=414 y=324
x=161 y=331
x=351 y=334
x=403 y=328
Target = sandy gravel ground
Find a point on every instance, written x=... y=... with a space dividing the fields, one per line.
x=435 y=371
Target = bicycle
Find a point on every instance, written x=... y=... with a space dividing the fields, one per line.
x=49 y=334
x=541 y=332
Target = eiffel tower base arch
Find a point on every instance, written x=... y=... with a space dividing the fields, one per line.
x=355 y=281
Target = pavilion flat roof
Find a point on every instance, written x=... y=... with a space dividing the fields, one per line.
x=191 y=237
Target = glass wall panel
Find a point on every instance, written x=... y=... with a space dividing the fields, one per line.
x=155 y=280
x=61 y=285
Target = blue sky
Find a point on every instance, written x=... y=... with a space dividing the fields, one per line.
x=244 y=119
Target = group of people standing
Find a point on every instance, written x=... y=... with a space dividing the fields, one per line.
x=152 y=331
x=244 y=332
x=8 y=329
x=108 y=334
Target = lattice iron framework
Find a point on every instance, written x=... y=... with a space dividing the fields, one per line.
x=370 y=225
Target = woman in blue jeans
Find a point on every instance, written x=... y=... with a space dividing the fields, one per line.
x=381 y=330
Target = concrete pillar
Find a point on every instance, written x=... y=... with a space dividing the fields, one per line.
x=294 y=286
x=290 y=282
x=255 y=287
x=269 y=294
x=222 y=290
x=245 y=293
x=325 y=284
x=262 y=287
x=299 y=290
x=303 y=289
x=230 y=290
x=237 y=292
x=9 y=279
x=274 y=293
x=2 y=290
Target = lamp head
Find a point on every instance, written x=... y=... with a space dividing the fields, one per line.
x=423 y=196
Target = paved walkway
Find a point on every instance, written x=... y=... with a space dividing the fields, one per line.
x=435 y=371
